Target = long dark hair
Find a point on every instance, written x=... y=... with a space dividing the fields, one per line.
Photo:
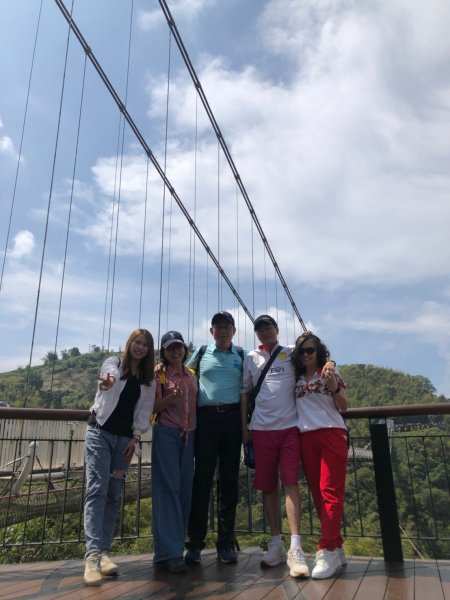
x=146 y=366
x=322 y=353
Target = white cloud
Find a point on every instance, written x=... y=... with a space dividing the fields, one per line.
x=346 y=162
x=6 y=144
x=181 y=9
x=431 y=322
x=349 y=157
x=23 y=244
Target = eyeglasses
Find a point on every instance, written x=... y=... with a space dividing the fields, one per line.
x=308 y=350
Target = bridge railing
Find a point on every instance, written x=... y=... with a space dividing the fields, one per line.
x=398 y=482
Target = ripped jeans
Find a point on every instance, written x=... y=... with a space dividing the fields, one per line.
x=105 y=470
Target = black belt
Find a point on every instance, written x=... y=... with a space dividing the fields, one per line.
x=219 y=408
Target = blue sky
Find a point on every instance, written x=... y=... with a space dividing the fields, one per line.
x=337 y=114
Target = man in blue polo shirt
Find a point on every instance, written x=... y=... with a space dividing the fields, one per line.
x=218 y=438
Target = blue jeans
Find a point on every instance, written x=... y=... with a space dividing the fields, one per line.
x=103 y=458
x=172 y=474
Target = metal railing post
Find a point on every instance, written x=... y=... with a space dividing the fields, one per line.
x=387 y=502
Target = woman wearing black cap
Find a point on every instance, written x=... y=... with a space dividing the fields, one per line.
x=172 y=452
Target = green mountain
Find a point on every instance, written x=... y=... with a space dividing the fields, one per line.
x=69 y=381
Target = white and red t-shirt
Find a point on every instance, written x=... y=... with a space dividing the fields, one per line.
x=275 y=404
x=315 y=404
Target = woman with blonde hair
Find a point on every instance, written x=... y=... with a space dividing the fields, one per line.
x=119 y=416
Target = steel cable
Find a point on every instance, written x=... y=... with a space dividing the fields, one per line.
x=47 y=219
x=193 y=74
x=69 y=219
x=19 y=156
x=163 y=218
x=120 y=178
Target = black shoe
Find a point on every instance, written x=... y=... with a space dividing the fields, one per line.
x=227 y=555
x=176 y=565
x=192 y=556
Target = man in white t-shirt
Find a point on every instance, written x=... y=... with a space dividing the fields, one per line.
x=275 y=436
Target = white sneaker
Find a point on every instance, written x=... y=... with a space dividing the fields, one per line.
x=327 y=564
x=342 y=557
x=107 y=566
x=297 y=563
x=92 y=575
x=275 y=555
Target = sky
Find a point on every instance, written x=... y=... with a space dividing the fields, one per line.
x=337 y=115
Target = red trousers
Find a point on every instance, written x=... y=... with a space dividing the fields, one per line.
x=324 y=459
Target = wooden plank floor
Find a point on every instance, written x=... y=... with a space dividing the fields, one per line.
x=363 y=579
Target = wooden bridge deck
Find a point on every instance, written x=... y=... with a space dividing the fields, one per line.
x=363 y=579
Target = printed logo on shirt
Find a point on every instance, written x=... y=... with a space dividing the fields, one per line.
x=276 y=370
x=282 y=356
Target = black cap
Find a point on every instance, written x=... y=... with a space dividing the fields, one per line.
x=264 y=320
x=171 y=337
x=223 y=315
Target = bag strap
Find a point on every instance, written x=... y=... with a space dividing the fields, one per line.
x=240 y=351
x=200 y=354
x=267 y=366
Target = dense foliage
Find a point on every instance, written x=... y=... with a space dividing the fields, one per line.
x=420 y=448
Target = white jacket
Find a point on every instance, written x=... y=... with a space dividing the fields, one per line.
x=106 y=400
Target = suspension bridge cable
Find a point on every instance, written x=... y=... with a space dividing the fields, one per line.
x=237 y=253
x=163 y=218
x=111 y=230
x=218 y=227
x=265 y=279
x=253 y=265
x=193 y=74
x=144 y=239
x=286 y=319
x=49 y=204
x=113 y=281
x=169 y=254
x=195 y=214
x=19 y=156
x=169 y=263
x=253 y=275
x=189 y=287
x=69 y=220
x=91 y=56
x=207 y=296
x=276 y=297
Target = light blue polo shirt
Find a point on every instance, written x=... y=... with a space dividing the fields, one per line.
x=220 y=376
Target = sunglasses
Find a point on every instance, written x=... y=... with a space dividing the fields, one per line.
x=307 y=350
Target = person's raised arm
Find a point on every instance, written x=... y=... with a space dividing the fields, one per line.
x=340 y=400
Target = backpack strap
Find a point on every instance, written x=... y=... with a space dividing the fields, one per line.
x=200 y=354
x=241 y=353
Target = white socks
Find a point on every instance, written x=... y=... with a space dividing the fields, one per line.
x=276 y=540
x=296 y=541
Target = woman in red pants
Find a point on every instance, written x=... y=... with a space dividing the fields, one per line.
x=320 y=400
